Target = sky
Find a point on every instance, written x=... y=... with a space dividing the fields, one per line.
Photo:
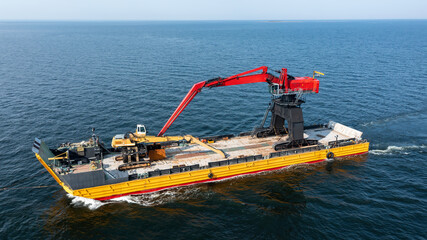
x=98 y=10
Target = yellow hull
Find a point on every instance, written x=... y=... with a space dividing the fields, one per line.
x=152 y=184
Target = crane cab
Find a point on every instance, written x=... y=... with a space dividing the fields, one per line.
x=140 y=130
x=275 y=90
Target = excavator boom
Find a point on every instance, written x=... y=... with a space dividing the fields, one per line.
x=285 y=84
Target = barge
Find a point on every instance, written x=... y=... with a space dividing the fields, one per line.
x=136 y=163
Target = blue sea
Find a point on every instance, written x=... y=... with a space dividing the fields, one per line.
x=60 y=79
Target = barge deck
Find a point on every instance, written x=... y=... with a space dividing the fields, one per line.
x=191 y=163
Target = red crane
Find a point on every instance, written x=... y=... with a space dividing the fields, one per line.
x=282 y=85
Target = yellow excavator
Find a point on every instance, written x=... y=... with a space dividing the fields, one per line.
x=140 y=136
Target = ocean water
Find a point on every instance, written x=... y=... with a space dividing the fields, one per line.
x=60 y=79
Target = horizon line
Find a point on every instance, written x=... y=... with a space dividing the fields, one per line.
x=194 y=20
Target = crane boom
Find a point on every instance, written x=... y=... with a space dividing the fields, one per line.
x=284 y=83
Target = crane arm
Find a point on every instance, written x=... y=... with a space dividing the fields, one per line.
x=187 y=99
x=217 y=82
x=242 y=78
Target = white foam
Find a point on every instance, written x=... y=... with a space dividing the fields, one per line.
x=146 y=199
x=92 y=204
x=161 y=197
x=390 y=150
x=127 y=199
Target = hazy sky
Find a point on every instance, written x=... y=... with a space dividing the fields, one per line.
x=211 y=10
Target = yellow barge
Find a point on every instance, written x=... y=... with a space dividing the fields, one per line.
x=188 y=163
x=138 y=163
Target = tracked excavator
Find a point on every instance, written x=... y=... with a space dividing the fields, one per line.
x=136 y=146
x=285 y=107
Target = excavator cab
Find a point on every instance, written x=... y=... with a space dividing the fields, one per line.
x=275 y=90
x=140 y=130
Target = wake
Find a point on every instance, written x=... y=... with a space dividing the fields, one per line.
x=391 y=150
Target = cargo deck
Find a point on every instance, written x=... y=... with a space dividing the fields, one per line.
x=236 y=147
